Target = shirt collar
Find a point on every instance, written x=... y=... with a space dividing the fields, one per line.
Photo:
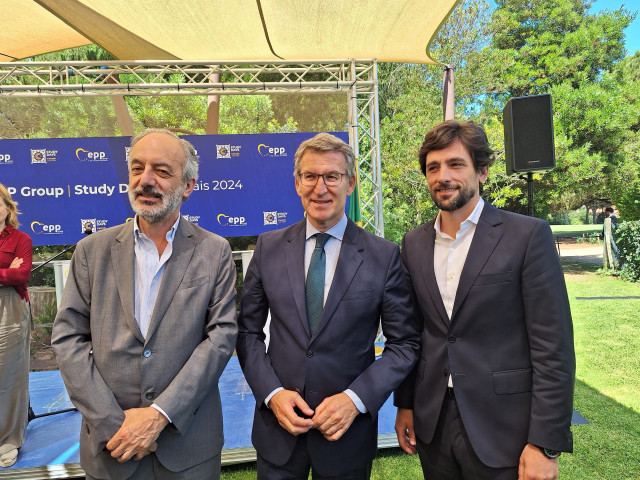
x=171 y=234
x=337 y=231
x=471 y=219
x=7 y=229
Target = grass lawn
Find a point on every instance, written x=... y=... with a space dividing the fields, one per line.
x=576 y=230
x=607 y=394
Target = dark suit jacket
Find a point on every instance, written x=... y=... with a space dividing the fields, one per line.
x=368 y=285
x=108 y=366
x=509 y=344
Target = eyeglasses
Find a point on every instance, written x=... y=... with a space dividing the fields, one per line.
x=331 y=179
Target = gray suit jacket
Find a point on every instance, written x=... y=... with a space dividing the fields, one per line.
x=108 y=366
x=508 y=346
x=368 y=287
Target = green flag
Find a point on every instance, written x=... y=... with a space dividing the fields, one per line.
x=354 y=202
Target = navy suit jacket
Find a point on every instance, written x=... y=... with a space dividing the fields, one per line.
x=368 y=286
x=508 y=346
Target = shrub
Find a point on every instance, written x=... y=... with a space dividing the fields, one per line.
x=628 y=241
x=43 y=323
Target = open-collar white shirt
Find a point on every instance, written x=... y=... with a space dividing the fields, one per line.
x=450 y=255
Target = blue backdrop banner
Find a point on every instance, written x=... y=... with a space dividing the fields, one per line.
x=68 y=185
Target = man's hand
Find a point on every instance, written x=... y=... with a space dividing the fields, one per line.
x=404 y=430
x=334 y=416
x=282 y=404
x=16 y=262
x=534 y=465
x=137 y=436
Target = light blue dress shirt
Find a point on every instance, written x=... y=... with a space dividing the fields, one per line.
x=149 y=272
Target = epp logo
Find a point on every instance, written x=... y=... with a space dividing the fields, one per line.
x=39 y=227
x=228 y=221
x=85 y=155
x=89 y=225
x=5 y=158
x=39 y=155
x=270 y=218
x=223 y=151
x=267 y=151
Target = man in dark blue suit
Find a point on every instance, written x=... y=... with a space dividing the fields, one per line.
x=491 y=397
x=316 y=384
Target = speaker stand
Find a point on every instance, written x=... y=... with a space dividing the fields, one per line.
x=530 y=193
x=529 y=179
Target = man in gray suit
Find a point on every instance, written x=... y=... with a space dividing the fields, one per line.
x=146 y=326
x=491 y=397
x=318 y=387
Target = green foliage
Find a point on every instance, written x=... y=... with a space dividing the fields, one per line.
x=628 y=201
x=59 y=117
x=43 y=324
x=411 y=104
x=312 y=113
x=559 y=48
x=251 y=114
x=47 y=316
x=628 y=241
x=553 y=42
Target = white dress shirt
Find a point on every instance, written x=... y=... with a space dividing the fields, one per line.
x=450 y=255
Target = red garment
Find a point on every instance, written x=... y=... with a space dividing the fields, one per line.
x=14 y=243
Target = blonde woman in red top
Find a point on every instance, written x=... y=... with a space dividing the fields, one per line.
x=15 y=330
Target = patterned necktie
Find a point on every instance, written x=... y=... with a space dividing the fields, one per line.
x=314 y=288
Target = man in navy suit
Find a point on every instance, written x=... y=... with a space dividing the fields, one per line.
x=316 y=384
x=491 y=396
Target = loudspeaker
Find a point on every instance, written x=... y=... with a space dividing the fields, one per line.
x=528 y=134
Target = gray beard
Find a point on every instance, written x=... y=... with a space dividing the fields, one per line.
x=170 y=203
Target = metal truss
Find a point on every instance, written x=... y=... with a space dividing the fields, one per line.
x=115 y=78
x=179 y=78
x=364 y=136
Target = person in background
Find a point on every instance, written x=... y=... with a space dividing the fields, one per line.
x=609 y=212
x=15 y=330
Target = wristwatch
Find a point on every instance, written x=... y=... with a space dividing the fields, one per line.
x=550 y=453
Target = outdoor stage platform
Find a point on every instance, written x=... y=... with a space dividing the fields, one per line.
x=51 y=449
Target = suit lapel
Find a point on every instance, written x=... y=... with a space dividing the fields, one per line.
x=428 y=273
x=294 y=260
x=349 y=262
x=485 y=240
x=182 y=252
x=123 y=265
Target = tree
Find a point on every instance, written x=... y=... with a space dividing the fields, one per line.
x=559 y=48
x=411 y=104
x=626 y=194
x=553 y=42
x=50 y=117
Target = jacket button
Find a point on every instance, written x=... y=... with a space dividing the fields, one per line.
x=452 y=339
x=446 y=372
x=309 y=353
x=147 y=353
x=148 y=396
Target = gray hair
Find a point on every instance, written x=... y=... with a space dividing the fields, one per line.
x=325 y=142
x=190 y=169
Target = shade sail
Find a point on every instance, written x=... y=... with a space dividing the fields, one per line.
x=226 y=30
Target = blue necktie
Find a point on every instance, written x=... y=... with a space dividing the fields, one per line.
x=314 y=288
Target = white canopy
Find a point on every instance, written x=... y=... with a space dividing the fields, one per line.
x=219 y=30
